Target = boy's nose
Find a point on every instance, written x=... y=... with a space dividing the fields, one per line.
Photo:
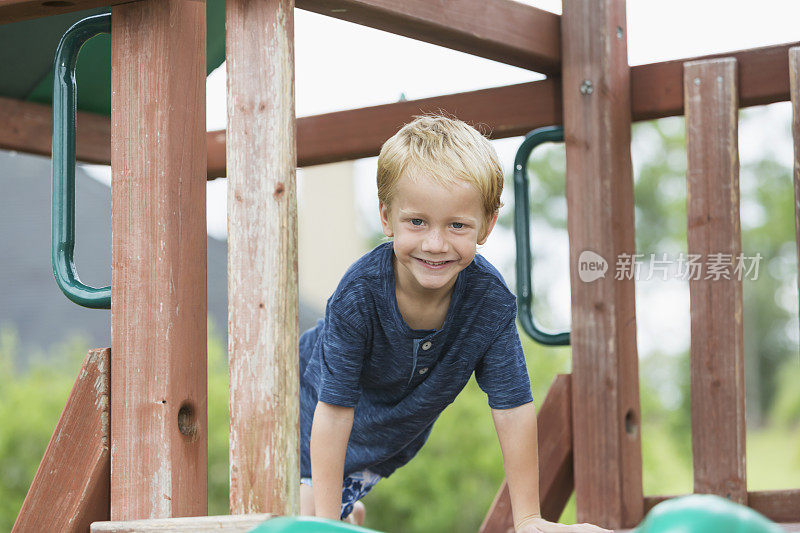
x=434 y=242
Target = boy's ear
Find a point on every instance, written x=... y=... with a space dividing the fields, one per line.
x=489 y=227
x=385 y=222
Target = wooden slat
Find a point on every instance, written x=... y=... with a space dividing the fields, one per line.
x=605 y=378
x=781 y=506
x=158 y=260
x=16 y=10
x=193 y=524
x=717 y=347
x=28 y=127
x=501 y=30
x=262 y=258
x=794 y=77
x=71 y=486
x=554 y=426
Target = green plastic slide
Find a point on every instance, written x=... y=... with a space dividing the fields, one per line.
x=704 y=513
x=307 y=524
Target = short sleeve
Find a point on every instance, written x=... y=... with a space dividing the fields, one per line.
x=343 y=349
x=501 y=372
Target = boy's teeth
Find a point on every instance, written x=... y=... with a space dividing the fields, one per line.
x=435 y=263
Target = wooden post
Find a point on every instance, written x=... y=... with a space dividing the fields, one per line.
x=158 y=258
x=717 y=346
x=262 y=258
x=70 y=489
x=605 y=379
x=794 y=83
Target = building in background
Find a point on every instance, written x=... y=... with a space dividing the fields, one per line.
x=32 y=304
x=328 y=233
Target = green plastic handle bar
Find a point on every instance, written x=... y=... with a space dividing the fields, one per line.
x=523 y=239
x=65 y=104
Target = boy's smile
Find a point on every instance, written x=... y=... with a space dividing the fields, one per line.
x=436 y=229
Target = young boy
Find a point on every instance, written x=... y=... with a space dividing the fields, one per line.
x=409 y=323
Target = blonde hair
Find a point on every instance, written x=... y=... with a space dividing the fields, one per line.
x=447 y=150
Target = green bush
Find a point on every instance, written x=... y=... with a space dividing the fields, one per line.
x=31 y=401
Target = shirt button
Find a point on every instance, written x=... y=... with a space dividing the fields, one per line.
x=423 y=370
x=427 y=345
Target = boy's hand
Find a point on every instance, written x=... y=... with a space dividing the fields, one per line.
x=540 y=525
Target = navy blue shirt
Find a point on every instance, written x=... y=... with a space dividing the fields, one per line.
x=398 y=379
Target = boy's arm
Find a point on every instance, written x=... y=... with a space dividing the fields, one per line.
x=330 y=432
x=519 y=443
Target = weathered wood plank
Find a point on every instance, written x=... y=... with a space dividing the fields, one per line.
x=71 y=486
x=193 y=524
x=158 y=260
x=262 y=258
x=717 y=347
x=794 y=77
x=501 y=30
x=605 y=378
x=554 y=426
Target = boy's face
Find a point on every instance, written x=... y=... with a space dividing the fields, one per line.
x=436 y=229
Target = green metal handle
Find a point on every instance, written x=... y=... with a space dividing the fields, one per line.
x=523 y=239
x=65 y=104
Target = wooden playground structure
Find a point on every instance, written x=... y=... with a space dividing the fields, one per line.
x=132 y=441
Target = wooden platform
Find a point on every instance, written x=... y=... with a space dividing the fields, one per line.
x=189 y=524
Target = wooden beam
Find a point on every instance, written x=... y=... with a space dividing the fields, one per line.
x=71 y=486
x=28 y=127
x=16 y=10
x=158 y=260
x=513 y=110
x=554 y=426
x=657 y=88
x=262 y=258
x=192 y=524
x=501 y=30
x=345 y=135
x=777 y=505
x=780 y=506
x=717 y=346
x=605 y=377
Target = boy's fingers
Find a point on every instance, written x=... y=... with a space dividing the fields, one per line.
x=592 y=527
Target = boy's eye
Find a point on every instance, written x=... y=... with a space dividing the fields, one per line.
x=457 y=225
x=416 y=221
